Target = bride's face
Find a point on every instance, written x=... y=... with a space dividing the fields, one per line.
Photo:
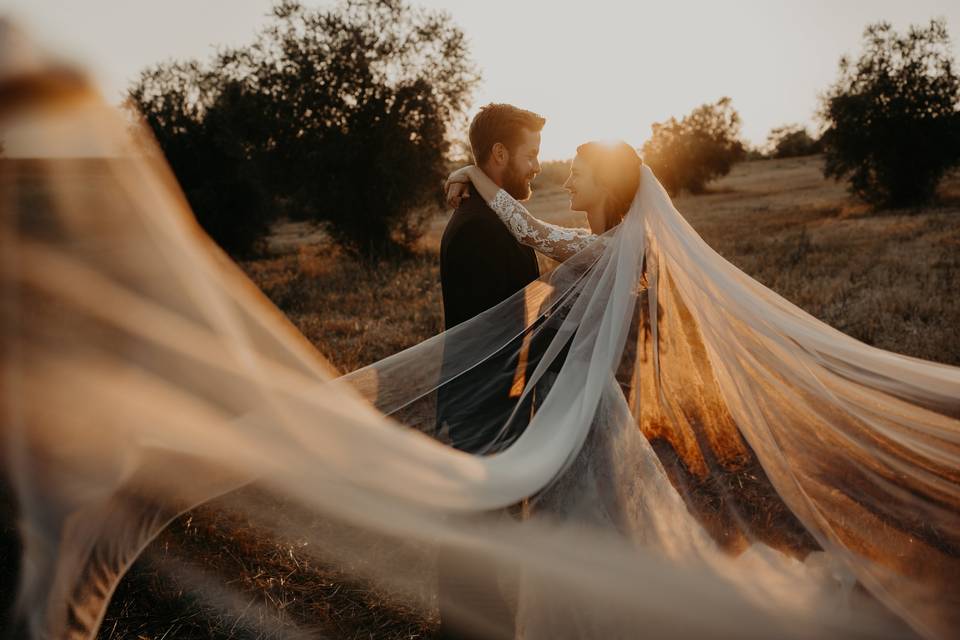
x=585 y=194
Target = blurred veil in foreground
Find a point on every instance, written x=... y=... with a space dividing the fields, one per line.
x=695 y=455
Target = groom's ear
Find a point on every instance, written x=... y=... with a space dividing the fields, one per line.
x=500 y=154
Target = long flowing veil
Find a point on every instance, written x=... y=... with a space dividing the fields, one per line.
x=683 y=439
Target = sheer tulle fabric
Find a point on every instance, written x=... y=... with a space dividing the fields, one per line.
x=680 y=438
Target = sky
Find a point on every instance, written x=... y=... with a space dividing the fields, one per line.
x=597 y=69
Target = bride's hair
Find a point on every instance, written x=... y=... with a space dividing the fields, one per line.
x=616 y=168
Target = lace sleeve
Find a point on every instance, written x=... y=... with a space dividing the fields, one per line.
x=551 y=240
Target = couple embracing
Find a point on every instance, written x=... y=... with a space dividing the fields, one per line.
x=488 y=255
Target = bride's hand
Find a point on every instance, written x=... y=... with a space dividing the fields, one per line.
x=457 y=186
x=457 y=192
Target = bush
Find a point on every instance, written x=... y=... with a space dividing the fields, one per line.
x=204 y=147
x=689 y=153
x=338 y=116
x=893 y=128
x=553 y=172
x=752 y=152
x=791 y=141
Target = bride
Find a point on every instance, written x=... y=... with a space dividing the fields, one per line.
x=704 y=458
x=617 y=481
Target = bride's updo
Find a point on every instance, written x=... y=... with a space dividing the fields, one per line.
x=616 y=169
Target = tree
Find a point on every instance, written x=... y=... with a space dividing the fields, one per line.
x=202 y=125
x=553 y=172
x=790 y=141
x=689 y=153
x=893 y=128
x=337 y=115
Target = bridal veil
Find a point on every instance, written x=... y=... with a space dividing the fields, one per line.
x=790 y=481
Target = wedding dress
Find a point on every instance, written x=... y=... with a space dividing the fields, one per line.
x=617 y=483
x=704 y=458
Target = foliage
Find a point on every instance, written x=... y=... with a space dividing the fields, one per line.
x=205 y=145
x=753 y=152
x=893 y=117
x=335 y=115
x=689 y=153
x=791 y=141
x=460 y=153
x=553 y=172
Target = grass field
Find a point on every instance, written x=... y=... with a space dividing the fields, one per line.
x=890 y=279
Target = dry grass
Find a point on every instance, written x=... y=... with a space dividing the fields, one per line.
x=889 y=279
x=355 y=312
x=228 y=569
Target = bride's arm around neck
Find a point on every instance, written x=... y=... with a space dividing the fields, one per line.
x=552 y=240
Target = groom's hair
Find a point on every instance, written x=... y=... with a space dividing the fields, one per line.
x=503 y=123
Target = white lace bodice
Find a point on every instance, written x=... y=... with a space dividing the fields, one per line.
x=551 y=240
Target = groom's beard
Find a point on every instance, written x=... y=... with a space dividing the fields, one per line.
x=516 y=183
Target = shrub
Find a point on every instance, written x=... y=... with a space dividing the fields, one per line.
x=333 y=115
x=204 y=146
x=893 y=127
x=752 y=152
x=689 y=153
x=553 y=172
x=791 y=141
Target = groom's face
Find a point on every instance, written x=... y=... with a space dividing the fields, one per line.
x=523 y=166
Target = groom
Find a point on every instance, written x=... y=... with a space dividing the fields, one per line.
x=481 y=264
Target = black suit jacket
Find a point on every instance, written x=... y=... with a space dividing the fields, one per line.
x=481 y=264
